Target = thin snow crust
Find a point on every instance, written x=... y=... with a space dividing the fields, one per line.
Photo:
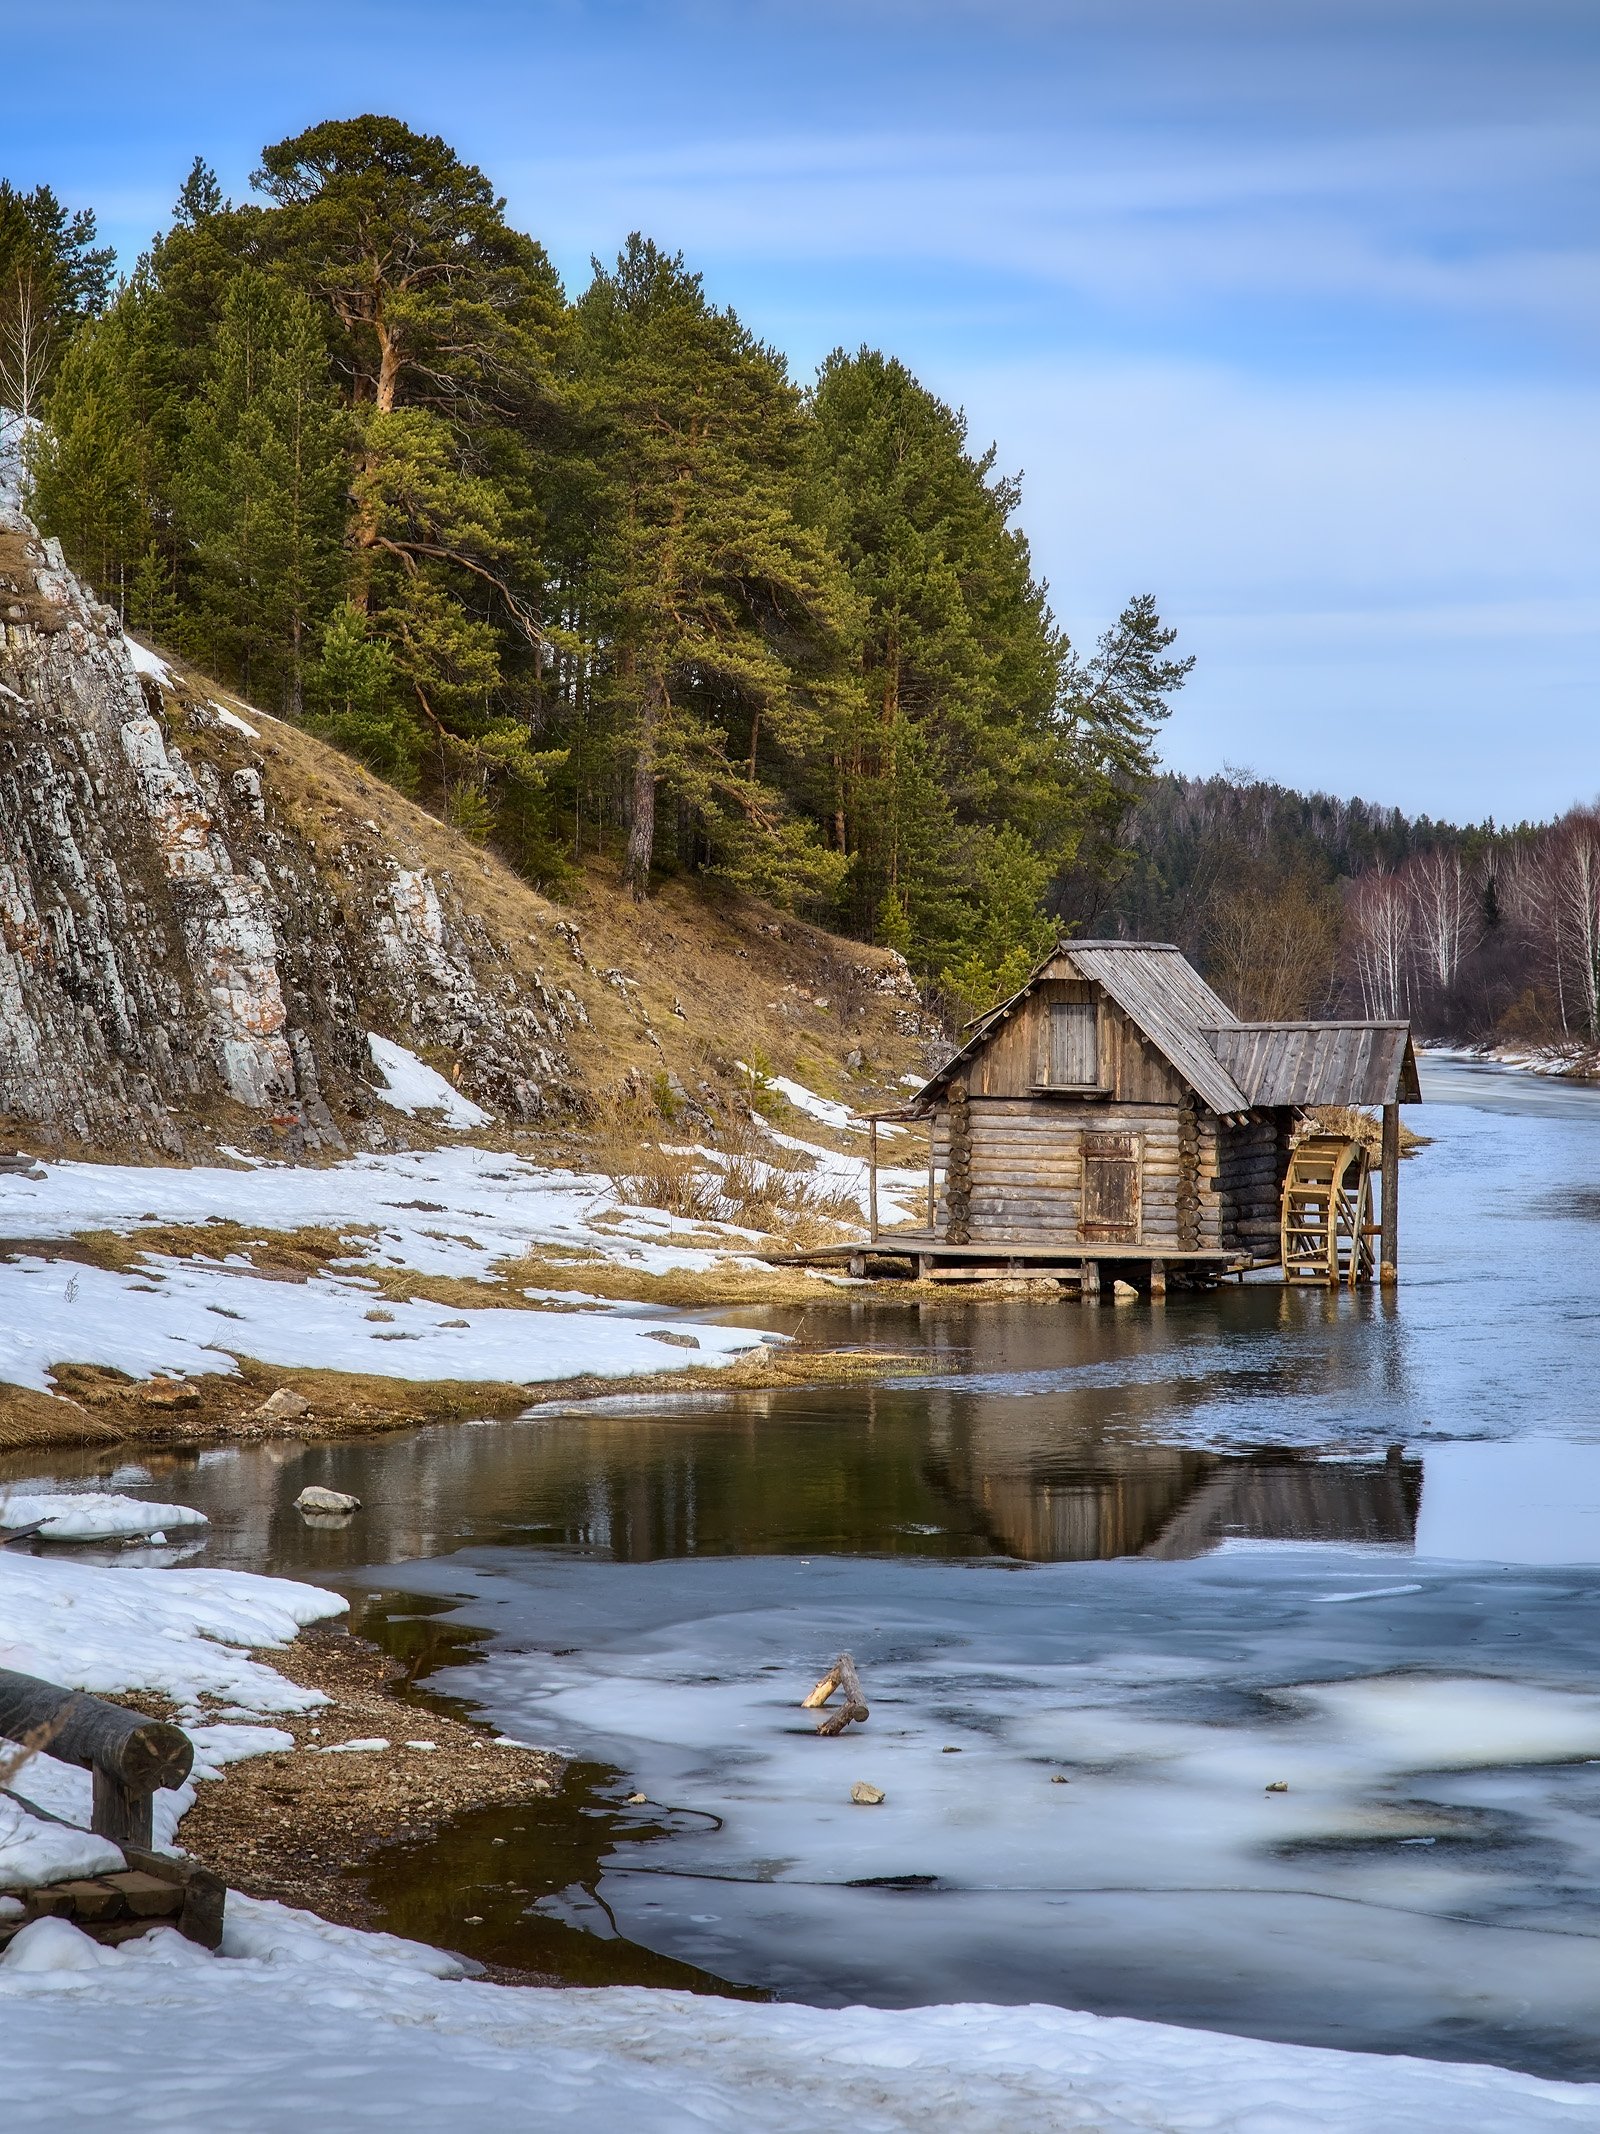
x=455 y=1211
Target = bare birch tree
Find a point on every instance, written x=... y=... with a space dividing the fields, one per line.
x=1446 y=915
x=1529 y=888
x=1574 y=860
x=27 y=342
x=1380 y=934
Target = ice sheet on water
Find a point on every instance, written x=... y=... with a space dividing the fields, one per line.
x=1164 y=1876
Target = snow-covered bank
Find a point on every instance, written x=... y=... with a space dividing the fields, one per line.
x=95 y=1515
x=457 y=1212
x=1576 y=1063
x=294 y=2027
x=188 y=1635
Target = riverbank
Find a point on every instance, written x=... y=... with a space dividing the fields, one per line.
x=148 y=1305
x=363 y=1769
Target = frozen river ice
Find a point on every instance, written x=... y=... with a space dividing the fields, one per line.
x=1349 y=1546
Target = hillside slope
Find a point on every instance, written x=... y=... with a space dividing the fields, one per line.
x=204 y=912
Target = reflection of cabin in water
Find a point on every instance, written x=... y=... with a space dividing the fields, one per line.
x=1115 y=1115
x=1173 y=1502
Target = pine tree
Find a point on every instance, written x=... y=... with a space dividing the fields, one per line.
x=444 y=323
x=262 y=487
x=99 y=466
x=717 y=615
x=53 y=280
x=955 y=727
x=357 y=699
x=1115 y=702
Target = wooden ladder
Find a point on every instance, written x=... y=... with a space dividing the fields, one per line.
x=1327 y=1226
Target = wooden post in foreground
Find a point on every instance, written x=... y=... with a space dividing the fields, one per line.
x=1389 y=1241
x=872 y=1179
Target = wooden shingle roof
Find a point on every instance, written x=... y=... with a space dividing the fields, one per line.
x=1163 y=995
x=1232 y=1067
x=1319 y=1063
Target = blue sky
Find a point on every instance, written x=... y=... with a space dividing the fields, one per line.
x=1288 y=309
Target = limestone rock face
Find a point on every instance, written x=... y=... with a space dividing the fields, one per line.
x=175 y=945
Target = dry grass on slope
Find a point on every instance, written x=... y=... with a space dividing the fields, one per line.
x=678 y=989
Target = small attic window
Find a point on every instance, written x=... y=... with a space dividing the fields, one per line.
x=1072 y=1046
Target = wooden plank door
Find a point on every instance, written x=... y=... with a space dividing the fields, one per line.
x=1110 y=1209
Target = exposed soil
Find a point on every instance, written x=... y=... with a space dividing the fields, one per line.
x=96 y=1406
x=298 y=1824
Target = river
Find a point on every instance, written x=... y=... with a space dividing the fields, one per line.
x=1232 y=1662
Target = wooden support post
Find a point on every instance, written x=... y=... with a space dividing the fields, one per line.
x=123 y=1816
x=1158 y=1281
x=1389 y=1254
x=872 y=1179
x=933 y=1194
x=1089 y=1284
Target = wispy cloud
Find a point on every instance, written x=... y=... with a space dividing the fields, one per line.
x=1460 y=220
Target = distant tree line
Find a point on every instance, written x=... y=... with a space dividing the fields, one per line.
x=588 y=575
x=1302 y=904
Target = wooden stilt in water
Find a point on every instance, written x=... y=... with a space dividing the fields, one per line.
x=1389 y=1243
x=1158 y=1281
x=1089 y=1287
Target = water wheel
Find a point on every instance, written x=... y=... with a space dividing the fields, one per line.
x=1327 y=1212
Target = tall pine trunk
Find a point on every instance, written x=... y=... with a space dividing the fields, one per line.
x=642 y=811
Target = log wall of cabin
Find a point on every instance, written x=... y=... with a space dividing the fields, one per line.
x=1026 y=1169
x=1251 y=1161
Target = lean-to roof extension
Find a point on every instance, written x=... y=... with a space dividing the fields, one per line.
x=1319 y=1063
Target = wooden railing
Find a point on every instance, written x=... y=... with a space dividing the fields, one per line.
x=131 y=1757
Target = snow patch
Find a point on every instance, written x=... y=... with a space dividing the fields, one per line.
x=457 y=1212
x=233 y=720
x=303 y=2024
x=147 y=662
x=96 y=1516
x=411 y=1086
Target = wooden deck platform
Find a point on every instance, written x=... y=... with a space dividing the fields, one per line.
x=910 y=1255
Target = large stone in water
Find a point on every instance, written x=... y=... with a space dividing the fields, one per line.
x=314 y=1498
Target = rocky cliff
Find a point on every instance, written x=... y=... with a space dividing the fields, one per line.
x=203 y=912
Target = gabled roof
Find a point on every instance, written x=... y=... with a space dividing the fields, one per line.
x=1163 y=995
x=1155 y=986
x=1319 y=1063
x=1232 y=1067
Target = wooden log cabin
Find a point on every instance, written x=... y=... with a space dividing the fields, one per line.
x=1115 y=1116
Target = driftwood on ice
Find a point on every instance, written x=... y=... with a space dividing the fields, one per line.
x=841 y=1675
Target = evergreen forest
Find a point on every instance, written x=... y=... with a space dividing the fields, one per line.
x=589 y=574
x=595 y=578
